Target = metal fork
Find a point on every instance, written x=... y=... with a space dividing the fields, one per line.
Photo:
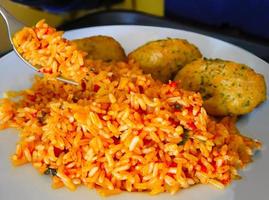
x=13 y=26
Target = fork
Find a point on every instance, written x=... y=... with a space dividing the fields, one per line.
x=13 y=26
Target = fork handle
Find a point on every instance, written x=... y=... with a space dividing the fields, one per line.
x=13 y=25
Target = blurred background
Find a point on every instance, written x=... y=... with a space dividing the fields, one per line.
x=241 y=22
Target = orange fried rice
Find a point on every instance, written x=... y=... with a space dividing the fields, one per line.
x=119 y=129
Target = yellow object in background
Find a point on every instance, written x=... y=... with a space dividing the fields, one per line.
x=30 y=16
x=154 y=7
x=26 y=15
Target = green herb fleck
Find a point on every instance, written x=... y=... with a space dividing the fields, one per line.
x=202 y=80
x=185 y=138
x=177 y=106
x=243 y=67
x=207 y=96
x=51 y=171
x=247 y=103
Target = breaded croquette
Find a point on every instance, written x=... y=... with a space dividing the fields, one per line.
x=228 y=88
x=101 y=48
x=163 y=58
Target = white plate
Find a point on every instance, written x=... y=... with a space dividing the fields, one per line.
x=25 y=183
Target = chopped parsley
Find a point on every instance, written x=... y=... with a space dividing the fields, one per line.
x=51 y=171
x=185 y=137
x=177 y=106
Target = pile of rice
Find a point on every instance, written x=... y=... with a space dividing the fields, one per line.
x=118 y=130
